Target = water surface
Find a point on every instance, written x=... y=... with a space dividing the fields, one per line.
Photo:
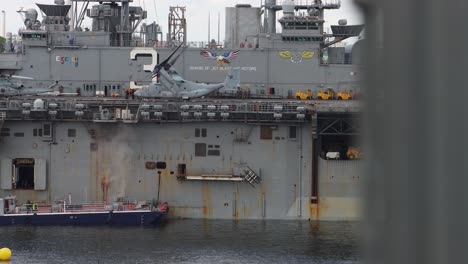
x=188 y=241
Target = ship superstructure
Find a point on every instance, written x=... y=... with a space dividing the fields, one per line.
x=112 y=56
x=234 y=158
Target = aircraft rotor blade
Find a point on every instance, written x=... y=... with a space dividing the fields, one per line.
x=21 y=77
x=162 y=64
x=172 y=62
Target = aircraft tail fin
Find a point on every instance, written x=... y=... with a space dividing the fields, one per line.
x=232 y=80
x=54 y=86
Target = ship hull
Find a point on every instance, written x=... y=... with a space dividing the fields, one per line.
x=119 y=153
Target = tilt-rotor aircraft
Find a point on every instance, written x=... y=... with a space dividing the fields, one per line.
x=11 y=81
x=8 y=89
x=172 y=85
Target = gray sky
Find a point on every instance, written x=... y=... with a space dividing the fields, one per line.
x=197 y=14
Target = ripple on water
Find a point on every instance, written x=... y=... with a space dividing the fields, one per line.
x=188 y=241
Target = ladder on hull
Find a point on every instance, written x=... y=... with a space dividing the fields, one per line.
x=250 y=176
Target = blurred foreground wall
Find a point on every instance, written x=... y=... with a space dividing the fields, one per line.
x=417 y=83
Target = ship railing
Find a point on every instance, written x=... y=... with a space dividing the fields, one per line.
x=4 y=104
x=98 y=206
x=14 y=105
x=104 y=116
x=211 y=173
x=68 y=105
x=328 y=3
x=191 y=44
x=226 y=106
x=131 y=43
x=63 y=206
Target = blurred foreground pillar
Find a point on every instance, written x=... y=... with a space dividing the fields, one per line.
x=417 y=83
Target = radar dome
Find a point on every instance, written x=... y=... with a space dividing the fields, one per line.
x=288 y=7
x=38 y=104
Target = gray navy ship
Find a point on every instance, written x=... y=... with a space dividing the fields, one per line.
x=249 y=152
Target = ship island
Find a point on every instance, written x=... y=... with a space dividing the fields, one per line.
x=77 y=128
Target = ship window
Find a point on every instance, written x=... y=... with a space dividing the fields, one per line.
x=19 y=134
x=71 y=132
x=200 y=149
x=160 y=165
x=217 y=146
x=150 y=165
x=203 y=132
x=47 y=129
x=210 y=146
x=197 y=132
x=266 y=132
x=5 y=132
x=292 y=132
x=213 y=152
x=35 y=132
x=39 y=132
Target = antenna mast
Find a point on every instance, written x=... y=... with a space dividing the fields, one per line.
x=177 y=33
x=209 y=27
x=219 y=23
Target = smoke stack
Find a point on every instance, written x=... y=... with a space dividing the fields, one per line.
x=270 y=15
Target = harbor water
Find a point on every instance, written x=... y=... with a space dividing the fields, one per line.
x=188 y=241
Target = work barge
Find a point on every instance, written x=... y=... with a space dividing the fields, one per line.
x=208 y=158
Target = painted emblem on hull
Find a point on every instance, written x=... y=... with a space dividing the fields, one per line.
x=296 y=57
x=225 y=58
x=67 y=60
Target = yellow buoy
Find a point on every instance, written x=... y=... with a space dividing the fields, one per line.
x=5 y=254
